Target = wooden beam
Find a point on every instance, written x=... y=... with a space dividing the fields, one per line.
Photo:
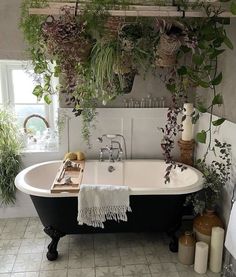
x=54 y=8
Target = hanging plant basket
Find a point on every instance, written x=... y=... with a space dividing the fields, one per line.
x=65 y=38
x=112 y=26
x=128 y=81
x=129 y=35
x=125 y=72
x=166 y=51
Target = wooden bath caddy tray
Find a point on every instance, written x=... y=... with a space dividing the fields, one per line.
x=76 y=175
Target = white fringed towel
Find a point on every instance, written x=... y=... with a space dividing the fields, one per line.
x=230 y=240
x=98 y=203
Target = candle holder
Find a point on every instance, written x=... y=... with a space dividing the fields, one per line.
x=186 y=151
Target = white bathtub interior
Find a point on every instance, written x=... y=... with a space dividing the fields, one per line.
x=143 y=177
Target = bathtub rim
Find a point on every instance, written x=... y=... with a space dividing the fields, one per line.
x=21 y=184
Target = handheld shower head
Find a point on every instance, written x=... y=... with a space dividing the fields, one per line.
x=108 y=136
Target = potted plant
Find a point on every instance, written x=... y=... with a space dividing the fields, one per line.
x=10 y=146
x=68 y=44
x=216 y=175
x=205 y=202
x=171 y=37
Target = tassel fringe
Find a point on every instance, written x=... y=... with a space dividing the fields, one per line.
x=96 y=216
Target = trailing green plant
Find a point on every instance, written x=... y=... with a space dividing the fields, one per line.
x=10 y=147
x=205 y=40
x=119 y=50
x=216 y=175
x=31 y=27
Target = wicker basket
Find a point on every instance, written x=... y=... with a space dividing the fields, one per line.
x=166 y=51
x=112 y=26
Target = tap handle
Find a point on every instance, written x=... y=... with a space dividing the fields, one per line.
x=120 y=155
x=101 y=155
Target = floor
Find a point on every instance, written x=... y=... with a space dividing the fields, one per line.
x=23 y=246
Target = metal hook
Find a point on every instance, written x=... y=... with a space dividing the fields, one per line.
x=76 y=7
x=181 y=10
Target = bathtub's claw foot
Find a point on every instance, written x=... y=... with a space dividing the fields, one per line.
x=55 y=235
x=173 y=245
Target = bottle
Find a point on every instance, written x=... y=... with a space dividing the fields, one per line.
x=131 y=103
x=143 y=103
x=155 y=102
x=149 y=101
x=186 y=248
x=126 y=104
x=203 y=224
x=162 y=102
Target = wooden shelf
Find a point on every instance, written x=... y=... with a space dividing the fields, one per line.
x=54 y=8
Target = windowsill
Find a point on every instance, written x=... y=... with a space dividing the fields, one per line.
x=32 y=151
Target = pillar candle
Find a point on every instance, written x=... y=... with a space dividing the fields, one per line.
x=187 y=133
x=201 y=257
x=216 y=250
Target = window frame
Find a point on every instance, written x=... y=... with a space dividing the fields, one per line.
x=7 y=90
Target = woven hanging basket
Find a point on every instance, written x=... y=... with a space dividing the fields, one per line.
x=166 y=51
x=112 y=26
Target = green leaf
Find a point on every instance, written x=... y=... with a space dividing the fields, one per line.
x=171 y=87
x=233 y=7
x=203 y=84
x=228 y=43
x=201 y=136
x=217 y=100
x=38 y=91
x=217 y=79
x=195 y=118
x=182 y=70
x=216 y=53
x=47 y=99
x=201 y=108
x=218 y=122
x=198 y=59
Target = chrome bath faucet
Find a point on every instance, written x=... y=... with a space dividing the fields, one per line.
x=114 y=149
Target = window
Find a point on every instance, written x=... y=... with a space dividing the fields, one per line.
x=16 y=86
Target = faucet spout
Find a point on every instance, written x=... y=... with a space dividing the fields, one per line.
x=114 y=150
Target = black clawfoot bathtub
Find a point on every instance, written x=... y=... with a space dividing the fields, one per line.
x=155 y=206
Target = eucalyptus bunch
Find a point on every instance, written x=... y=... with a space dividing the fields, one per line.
x=10 y=163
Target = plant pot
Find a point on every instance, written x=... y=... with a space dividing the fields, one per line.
x=128 y=81
x=202 y=225
x=166 y=51
x=112 y=27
